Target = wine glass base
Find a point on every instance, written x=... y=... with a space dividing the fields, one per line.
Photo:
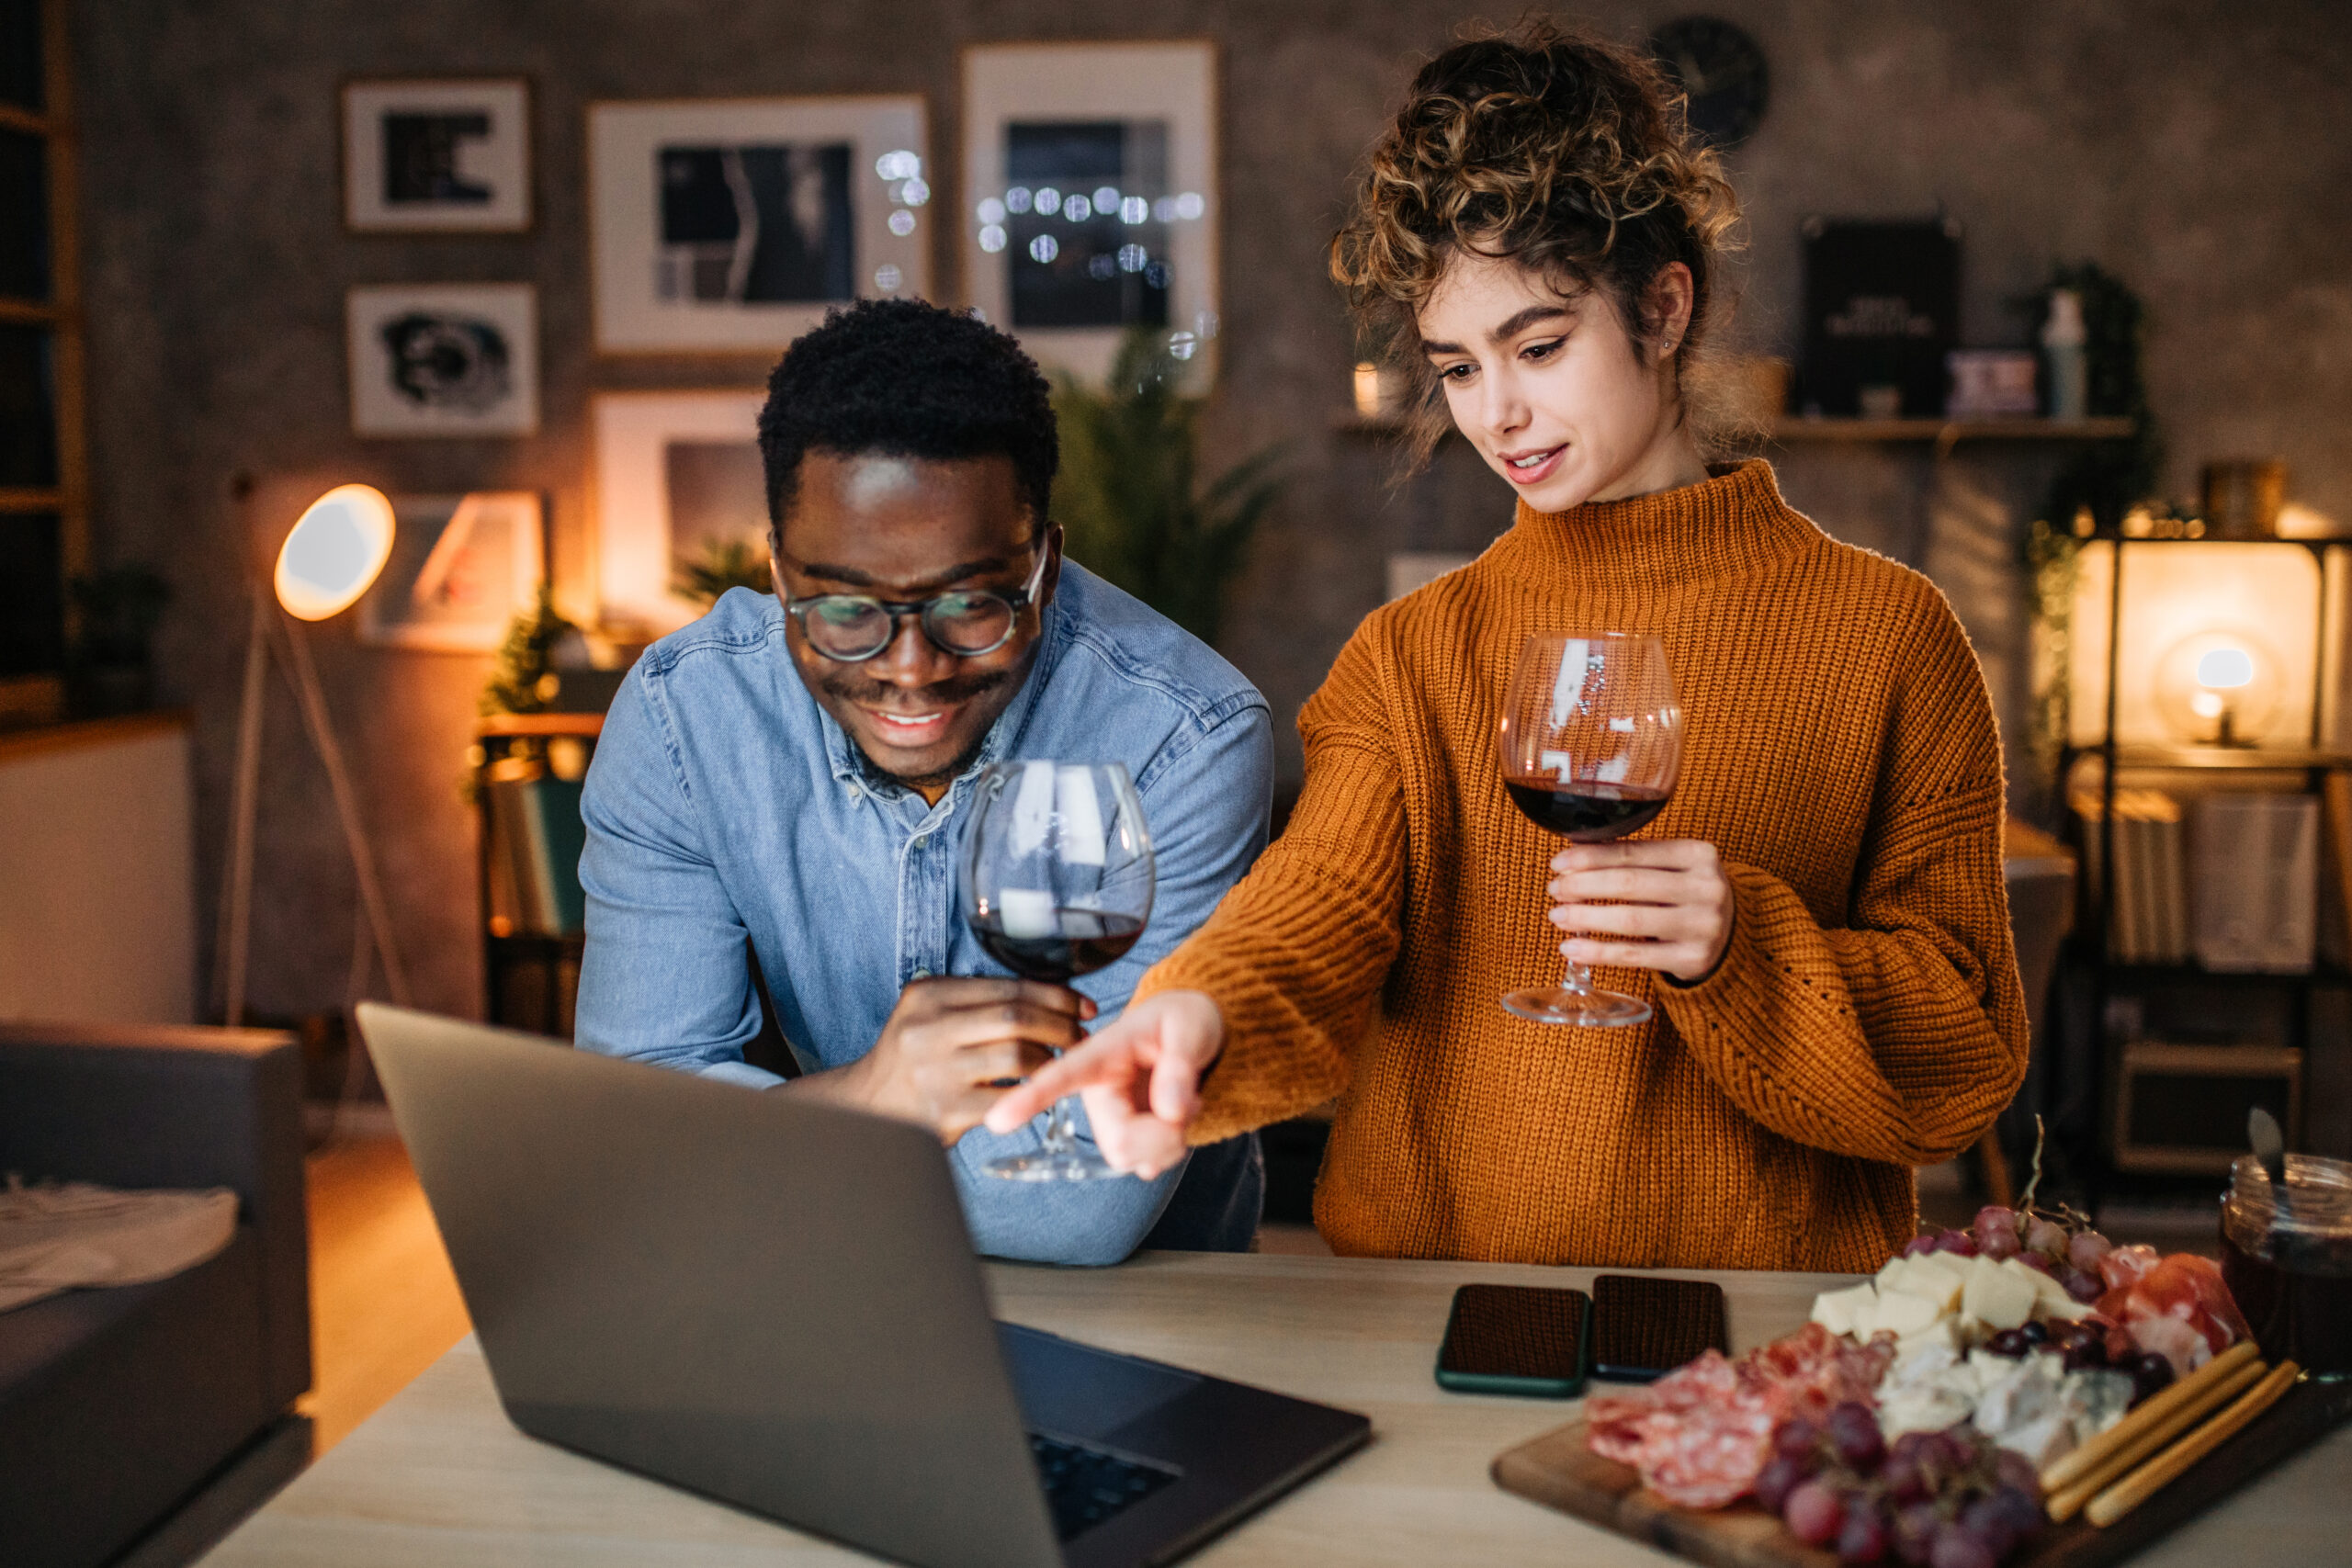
x=1585 y=1010
x=1053 y=1164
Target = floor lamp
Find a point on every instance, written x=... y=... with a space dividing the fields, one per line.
x=329 y=558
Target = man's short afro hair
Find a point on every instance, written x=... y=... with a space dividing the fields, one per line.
x=907 y=380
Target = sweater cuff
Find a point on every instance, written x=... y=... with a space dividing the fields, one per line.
x=1255 y=1080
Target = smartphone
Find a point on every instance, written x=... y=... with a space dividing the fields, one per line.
x=1522 y=1339
x=1644 y=1327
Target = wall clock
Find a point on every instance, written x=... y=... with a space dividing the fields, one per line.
x=1722 y=70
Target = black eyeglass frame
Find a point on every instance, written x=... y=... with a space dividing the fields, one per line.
x=1016 y=600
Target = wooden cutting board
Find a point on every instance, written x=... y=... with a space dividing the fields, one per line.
x=1558 y=1471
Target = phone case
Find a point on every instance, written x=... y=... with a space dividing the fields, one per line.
x=1503 y=1323
x=1644 y=1327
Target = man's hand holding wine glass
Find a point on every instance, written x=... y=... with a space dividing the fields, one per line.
x=1660 y=904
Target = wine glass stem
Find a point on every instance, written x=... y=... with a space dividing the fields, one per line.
x=1576 y=980
x=1061 y=1137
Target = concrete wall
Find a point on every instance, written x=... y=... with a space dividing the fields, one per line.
x=2199 y=151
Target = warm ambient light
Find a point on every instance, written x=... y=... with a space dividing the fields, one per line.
x=2225 y=669
x=334 y=552
x=1367 y=390
x=2217 y=688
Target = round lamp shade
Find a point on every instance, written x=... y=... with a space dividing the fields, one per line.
x=335 y=552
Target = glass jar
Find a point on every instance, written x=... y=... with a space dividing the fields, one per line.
x=2287 y=1259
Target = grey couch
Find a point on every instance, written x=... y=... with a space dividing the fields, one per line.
x=137 y=1423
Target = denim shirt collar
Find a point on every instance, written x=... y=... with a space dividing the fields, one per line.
x=850 y=768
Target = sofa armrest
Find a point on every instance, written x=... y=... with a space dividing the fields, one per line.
x=152 y=1106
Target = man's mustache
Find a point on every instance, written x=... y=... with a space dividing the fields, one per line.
x=945 y=693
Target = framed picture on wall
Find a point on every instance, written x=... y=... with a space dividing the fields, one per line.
x=462 y=567
x=677 y=479
x=444 y=359
x=729 y=226
x=437 y=156
x=1090 y=197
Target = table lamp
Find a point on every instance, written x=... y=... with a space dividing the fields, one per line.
x=327 y=561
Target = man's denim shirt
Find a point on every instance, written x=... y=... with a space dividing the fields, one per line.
x=723 y=803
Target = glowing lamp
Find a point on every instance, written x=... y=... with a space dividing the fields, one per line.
x=1367 y=387
x=2218 y=644
x=334 y=552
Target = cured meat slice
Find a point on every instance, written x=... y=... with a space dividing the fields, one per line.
x=2179 y=1307
x=1701 y=1434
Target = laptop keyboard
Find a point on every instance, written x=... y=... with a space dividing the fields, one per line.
x=1084 y=1486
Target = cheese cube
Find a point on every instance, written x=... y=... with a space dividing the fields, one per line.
x=1837 y=1310
x=1941 y=1335
x=1935 y=1276
x=1890 y=1273
x=1900 y=1313
x=1997 y=1298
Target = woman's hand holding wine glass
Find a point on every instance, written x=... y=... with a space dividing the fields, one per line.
x=1667 y=905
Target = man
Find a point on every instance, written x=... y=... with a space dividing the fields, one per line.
x=797 y=772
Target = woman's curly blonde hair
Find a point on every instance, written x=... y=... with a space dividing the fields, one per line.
x=1568 y=154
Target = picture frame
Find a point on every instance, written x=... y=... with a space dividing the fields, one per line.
x=673 y=472
x=448 y=155
x=732 y=225
x=1048 y=122
x=462 y=567
x=444 y=359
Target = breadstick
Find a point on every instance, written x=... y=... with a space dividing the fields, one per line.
x=2064 y=1503
x=2154 y=1476
x=2067 y=1467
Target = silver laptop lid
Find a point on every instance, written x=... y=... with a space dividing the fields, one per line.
x=762 y=1299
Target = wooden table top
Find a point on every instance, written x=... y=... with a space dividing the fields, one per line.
x=440 y=1477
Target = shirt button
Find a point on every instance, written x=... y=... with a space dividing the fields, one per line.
x=920 y=975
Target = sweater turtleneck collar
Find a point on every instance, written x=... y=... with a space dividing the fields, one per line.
x=1732 y=522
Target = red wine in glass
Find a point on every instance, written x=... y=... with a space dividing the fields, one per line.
x=1057 y=881
x=1085 y=942
x=1586 y=813
x=1590 y=744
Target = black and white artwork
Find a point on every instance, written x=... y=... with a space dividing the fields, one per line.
x=444 y=156
x=1091 y=176
x=677 y=474
x=732 y=225
x=452 y=359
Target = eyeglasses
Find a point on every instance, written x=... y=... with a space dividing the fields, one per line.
x=850 y=628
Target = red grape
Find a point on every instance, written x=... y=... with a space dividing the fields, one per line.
x=1779 y=1477
x=2046 y=1236
x=1988 y=1521
x=1915 y=1532
x=2020 y=1503
x=1797 y=1437
x=1918 y=1245
x=2009 y=1342
x=2084 y=1288
x=1960 y=1242
x=2038 y=1264
x=1957 y=1547
x=2151 y=1374
x=1813 y=1512
x=2035 y=1332
x=2088 y=1247
x=1997 y=1231
x=1863 y=1538
x=1900 y=1475
x=1853 y=1432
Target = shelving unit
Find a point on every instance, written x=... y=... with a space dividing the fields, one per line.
x=530 y=980
x=2241 y=995
x=1794 y=430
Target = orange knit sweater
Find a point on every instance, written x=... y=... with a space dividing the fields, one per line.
x=1866 y=1018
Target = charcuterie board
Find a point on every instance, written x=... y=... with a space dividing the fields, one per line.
x=1559 y=1471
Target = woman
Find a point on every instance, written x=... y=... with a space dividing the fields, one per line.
x=1818 y=917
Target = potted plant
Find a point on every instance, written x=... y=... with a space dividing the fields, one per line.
x=1128 y=499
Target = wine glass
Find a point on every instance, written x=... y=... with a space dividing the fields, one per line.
x=1056 y=883
x=1591 y=747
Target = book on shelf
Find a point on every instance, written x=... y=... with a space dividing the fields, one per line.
x=537 y=836
x=2147 y=899
x=2257 y=881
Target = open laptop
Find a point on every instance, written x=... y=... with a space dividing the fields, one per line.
x=775 y=1303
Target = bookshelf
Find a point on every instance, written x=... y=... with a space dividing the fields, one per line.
x=526 y=772
x=2173 y=1041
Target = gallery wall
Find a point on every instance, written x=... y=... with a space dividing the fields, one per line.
x=2195 y=149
